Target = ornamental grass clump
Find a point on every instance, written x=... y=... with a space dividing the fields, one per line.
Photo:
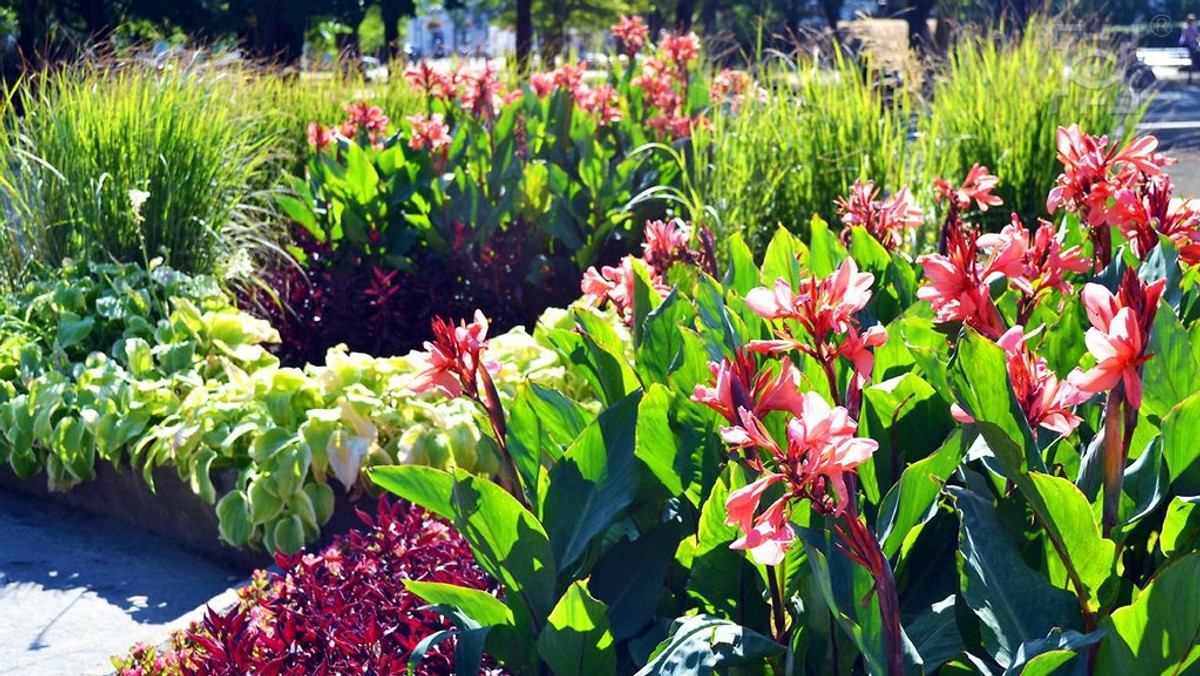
x=133 y=162
x=997 y=101
x=791 y=152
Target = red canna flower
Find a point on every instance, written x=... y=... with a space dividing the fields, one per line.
x=739 y=384
x=887 y=220
x=453 y=359
x=1119 y=336
x=631 y=32
x=976 y=187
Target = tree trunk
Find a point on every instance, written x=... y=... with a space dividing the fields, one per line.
x=684 y=12
x=553 y=43
x=96 y=17
x=831 y=10
x=524 y=34
x=390 y=12
x=708 y=16
x=917 y=17
x=31 y=26
x=275 y=32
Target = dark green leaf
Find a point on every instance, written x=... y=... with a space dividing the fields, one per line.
x=593 y=482
x=701 y=644
x=1158 y=632
x=576 y=640
x=979 y=377
x=1014 y=603
x=629 y=578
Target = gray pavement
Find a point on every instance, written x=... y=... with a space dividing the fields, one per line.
x=1174 y=117
x=76 y=589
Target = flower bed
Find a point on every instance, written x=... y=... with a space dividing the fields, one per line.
x=850 y=460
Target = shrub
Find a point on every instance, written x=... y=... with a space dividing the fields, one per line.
x=108 y=363
x=844 y=460
x=347 y=609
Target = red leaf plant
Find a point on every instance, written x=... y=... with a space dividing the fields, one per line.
x=344 y=610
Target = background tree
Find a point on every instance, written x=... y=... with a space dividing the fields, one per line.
x=391 y=11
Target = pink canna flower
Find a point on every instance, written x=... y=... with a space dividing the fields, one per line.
x=958 y=287
x=1094 y=175
x=735 y=88
x=542 y=84
x=681 y=49
x=822 y=451
x=665 y=243
x=1146 y=211
x=428 y=80
x=454 y=357
x=569 y=77
x=1045 y=400
x=741 y=506
x=771 y=537
x=825 y=309
x=368 y=117
x=631 y=32
x=615 y=286
x=739 y=384
x=481 y=94
x=430 y=133
x=320 y=137
x=1119 y=336
x=822 y=306
x=1093 y=172
x=601 y=101
x=887 y=220
x=976 y=187
x=860 y=351
x=1035 y=268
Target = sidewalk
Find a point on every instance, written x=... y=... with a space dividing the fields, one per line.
x=76 y=589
